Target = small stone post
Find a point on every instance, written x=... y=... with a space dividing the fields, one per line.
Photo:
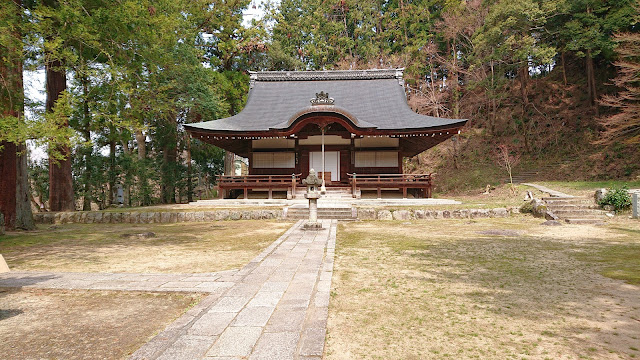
x=313 y=210
x=313 y=193
x=634 y=205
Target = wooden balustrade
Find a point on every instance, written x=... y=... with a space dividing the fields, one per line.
x=248 y=182
x=400 y=181
x=403 y=182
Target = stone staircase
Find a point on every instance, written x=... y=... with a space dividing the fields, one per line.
x=524 y=176
x=575 y=210
x=538 y=173
x=332 y=193
x=297 y=212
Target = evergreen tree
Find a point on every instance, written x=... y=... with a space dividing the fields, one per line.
x=587 y=30
x=15 y=202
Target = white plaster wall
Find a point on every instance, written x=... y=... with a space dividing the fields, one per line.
x=273 y=144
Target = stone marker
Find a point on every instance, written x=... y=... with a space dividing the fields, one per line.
x=600 y=194
x=3 y=265
x=313 y=193
x=634 y=205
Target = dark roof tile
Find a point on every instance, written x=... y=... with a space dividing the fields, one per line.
x=375 y=97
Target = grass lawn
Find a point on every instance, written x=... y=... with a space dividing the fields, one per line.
x=587 y=188
x=485 y=289
x=499 y=197
x=175 y=248
x=58 y=324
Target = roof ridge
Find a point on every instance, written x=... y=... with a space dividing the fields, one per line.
x=319 y=75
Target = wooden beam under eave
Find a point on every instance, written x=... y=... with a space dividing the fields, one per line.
x=240 y=147
x=412 y=146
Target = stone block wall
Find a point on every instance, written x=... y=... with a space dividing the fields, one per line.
x=165 y=217
x=419 y=214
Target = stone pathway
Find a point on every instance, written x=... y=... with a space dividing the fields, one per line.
x=551 y=192
x=206 y=283
x=276 y=307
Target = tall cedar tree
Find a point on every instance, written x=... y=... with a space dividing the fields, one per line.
x=228 y=44
x=60 y=178
x=587 y=28
x=14 y=187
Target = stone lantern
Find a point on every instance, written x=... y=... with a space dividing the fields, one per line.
x=313 y=193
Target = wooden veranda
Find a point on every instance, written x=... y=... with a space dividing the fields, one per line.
x=289 y=183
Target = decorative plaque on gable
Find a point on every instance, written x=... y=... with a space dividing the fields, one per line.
x=322 y=98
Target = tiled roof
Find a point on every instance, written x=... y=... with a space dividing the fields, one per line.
x=375 y=98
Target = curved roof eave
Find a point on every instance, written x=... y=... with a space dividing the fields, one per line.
x=372 y=100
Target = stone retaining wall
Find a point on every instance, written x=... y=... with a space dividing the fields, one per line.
x=373 y=214
x=138 y=217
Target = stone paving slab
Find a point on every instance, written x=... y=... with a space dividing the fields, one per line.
x=276 y=309
x=204 y=283
x=551 y=192
x=236 y=341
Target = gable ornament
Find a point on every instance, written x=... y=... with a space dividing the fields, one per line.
x=322 y=98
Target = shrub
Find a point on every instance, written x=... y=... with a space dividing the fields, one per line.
x=527 y=208
x=618 y=198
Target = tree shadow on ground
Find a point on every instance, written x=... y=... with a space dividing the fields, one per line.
x=541 y=281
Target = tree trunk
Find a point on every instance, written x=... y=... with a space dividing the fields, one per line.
x=112 y=166
x=15 y=202
x=456 y=81
x=168 y=188
x=229 y=166
x=8 y=161
x=60 y=179
x=144 y=196
x=87 y=150
x=524 y=80
x=24 y=215
x=189 y=170
x=169 y=161
x=494 y=110
x=591 y=82
x=564 y=68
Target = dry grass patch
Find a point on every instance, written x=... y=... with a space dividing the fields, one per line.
x=588 y=188
x=57 y=324
x=177 y=248
x=485 y=289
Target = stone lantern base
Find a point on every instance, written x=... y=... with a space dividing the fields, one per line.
x=312 y=225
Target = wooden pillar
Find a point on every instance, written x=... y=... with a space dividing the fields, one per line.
x=353 y=186
x=298 y=157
